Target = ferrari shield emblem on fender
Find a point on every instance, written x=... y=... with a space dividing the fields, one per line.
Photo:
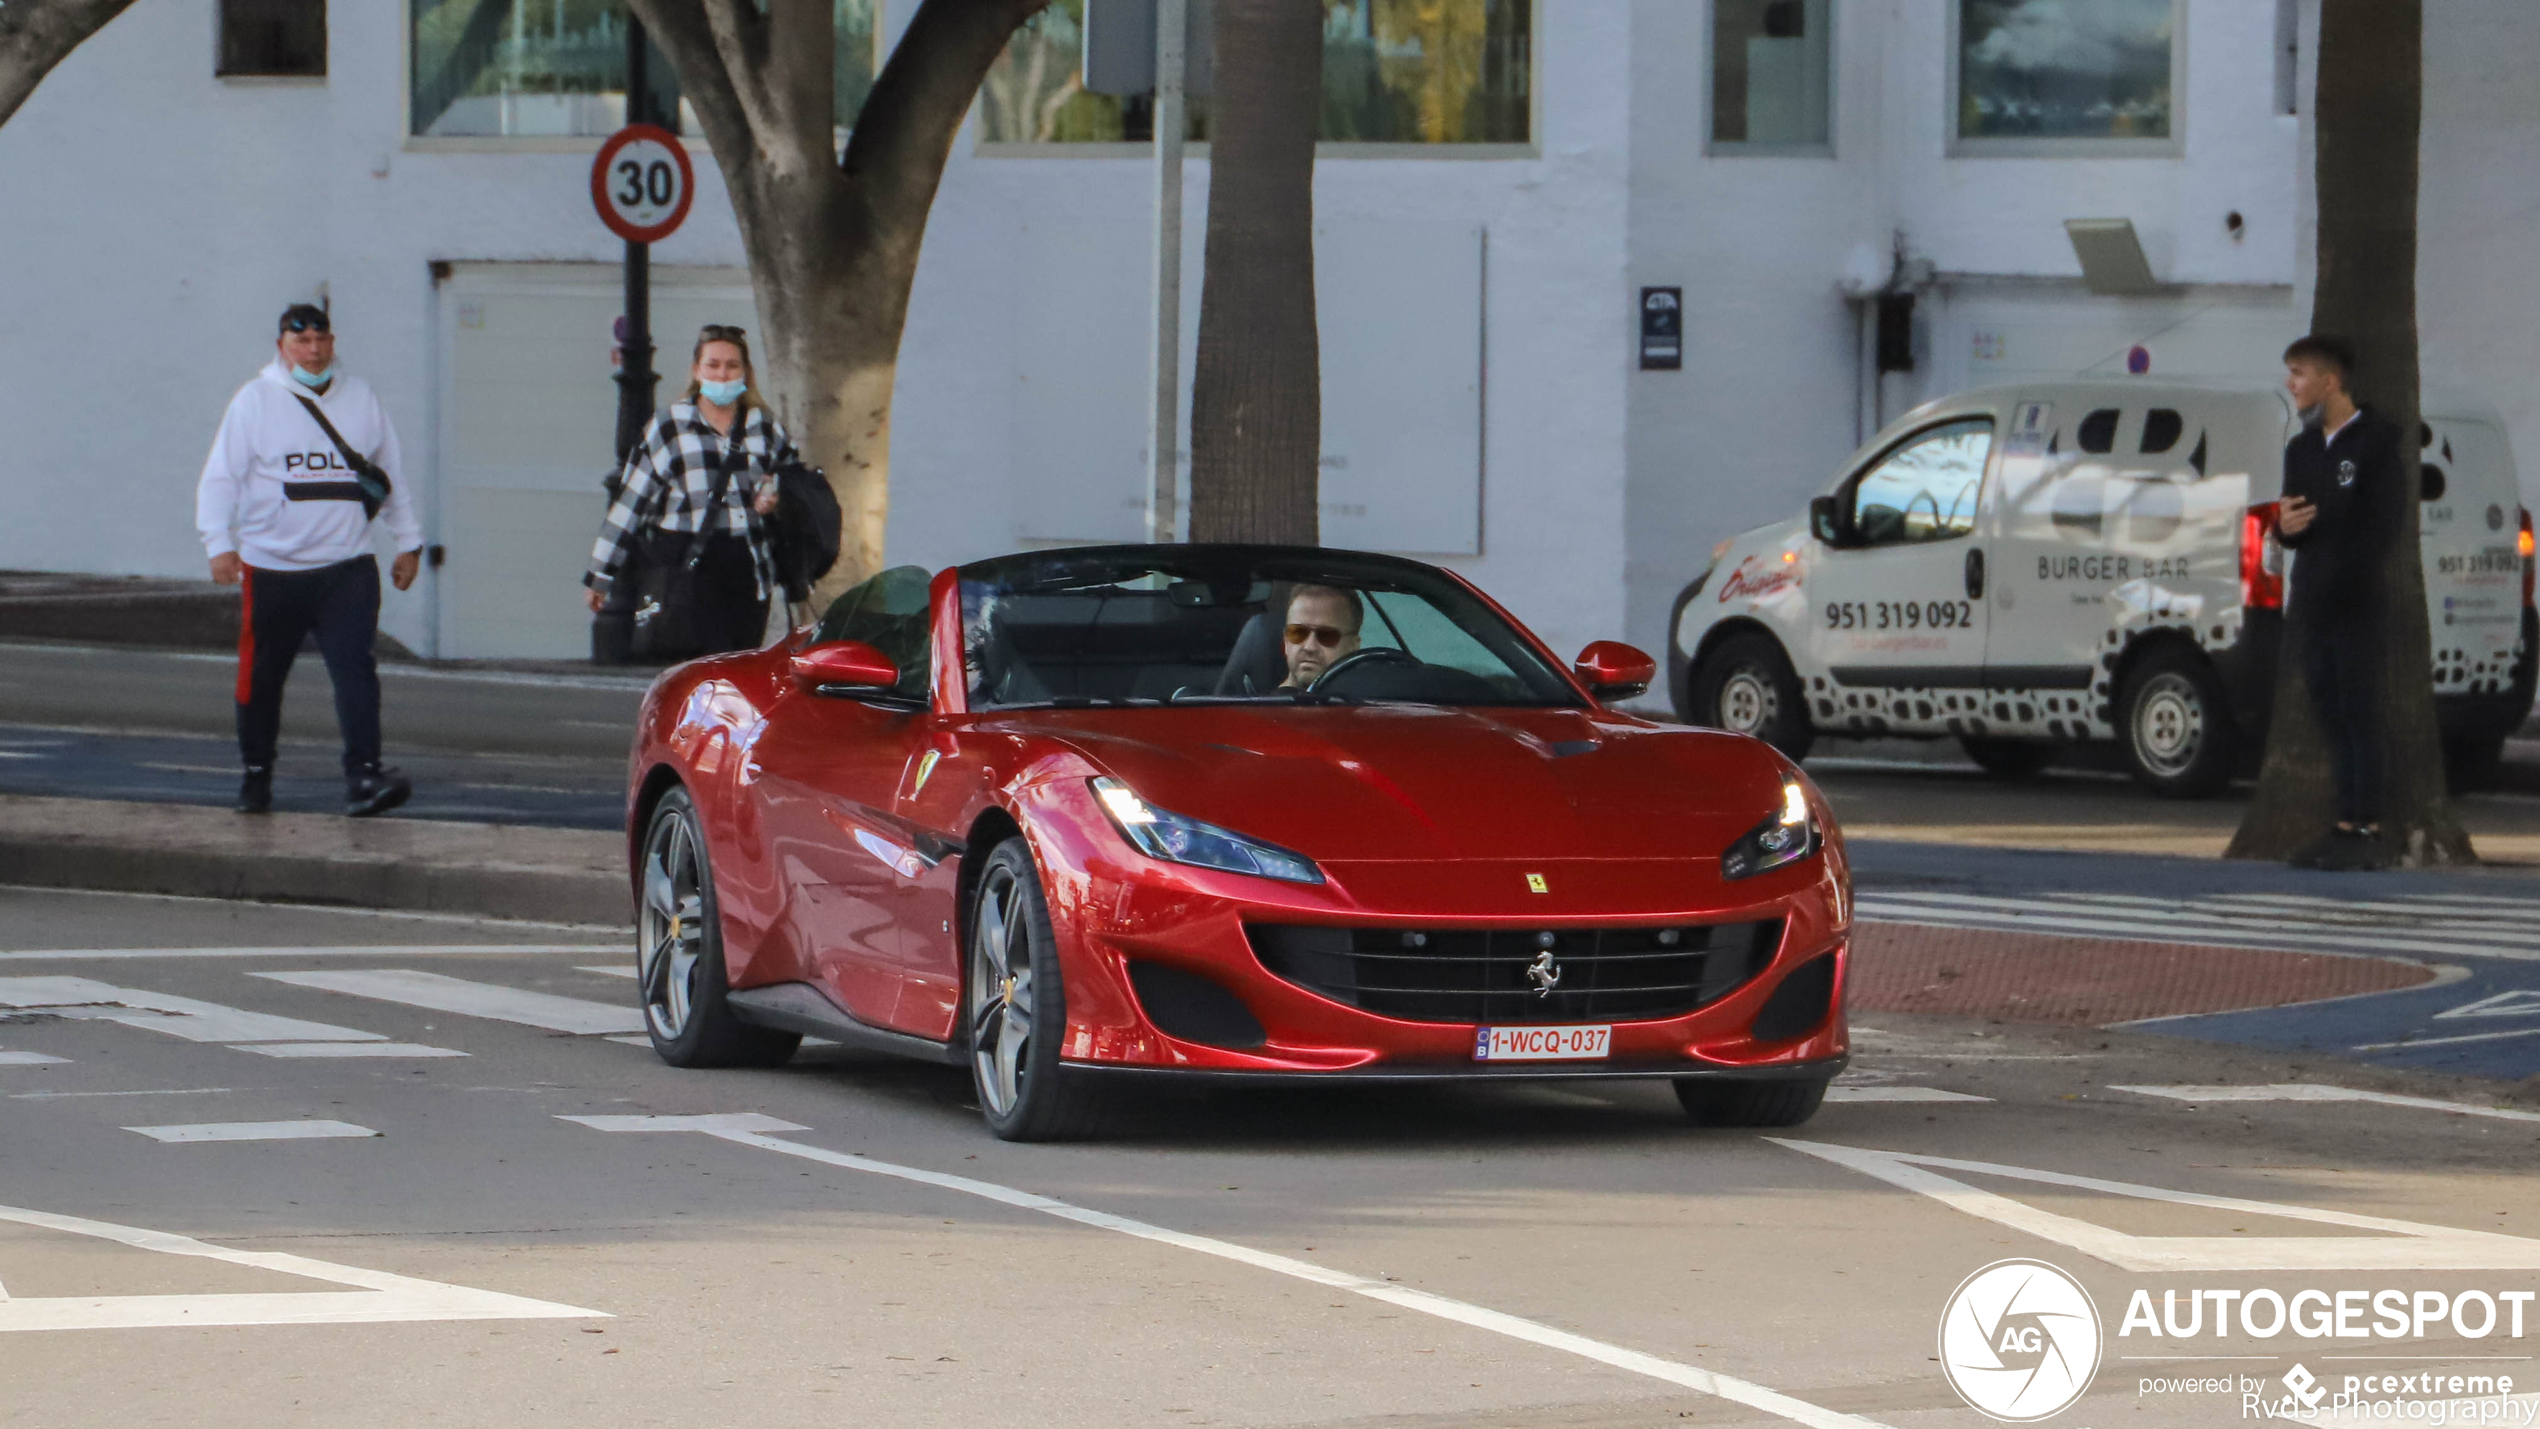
x=1535 y=884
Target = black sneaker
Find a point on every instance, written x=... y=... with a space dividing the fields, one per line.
x=255 y=792
x=375 y=791
x=2326 y=851
x=2354 y=851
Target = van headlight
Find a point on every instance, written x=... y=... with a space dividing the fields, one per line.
x=1161 y=834
x=1788 y=836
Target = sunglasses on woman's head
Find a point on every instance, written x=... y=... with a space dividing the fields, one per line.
x=1328 y=635
x=717 y=332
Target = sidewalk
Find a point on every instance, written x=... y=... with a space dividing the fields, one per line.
x=549 y=875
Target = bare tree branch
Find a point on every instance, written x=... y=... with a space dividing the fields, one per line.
x=35 y=35
x=679 y=27
x=895 y=156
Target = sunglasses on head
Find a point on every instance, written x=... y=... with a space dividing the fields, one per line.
x=718 y=332
x=306 y=325
x=1327 y=635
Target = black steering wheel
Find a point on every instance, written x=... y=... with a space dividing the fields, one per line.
x=1370 y=655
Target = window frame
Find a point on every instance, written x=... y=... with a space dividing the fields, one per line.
x=1959 y=146
x=1716 y=147
x=220 y=46
x=1847 y=493
x=1198 y=150
x=696 y=145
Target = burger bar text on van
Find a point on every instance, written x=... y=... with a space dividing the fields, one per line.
x=2322 y=1314
x=2111 y=568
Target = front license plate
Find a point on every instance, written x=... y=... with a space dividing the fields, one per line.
x=1541 y=1044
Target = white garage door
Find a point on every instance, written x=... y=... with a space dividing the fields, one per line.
x=528 y=418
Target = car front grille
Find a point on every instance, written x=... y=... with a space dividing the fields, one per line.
x=1469 y=975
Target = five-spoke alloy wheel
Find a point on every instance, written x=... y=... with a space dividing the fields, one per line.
x=1015 y=1006
x=679 y=973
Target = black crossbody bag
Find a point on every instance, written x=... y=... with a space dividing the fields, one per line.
x=366 y=473
x=667 y=610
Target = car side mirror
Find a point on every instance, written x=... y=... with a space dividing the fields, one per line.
x=845 y=667
x=1613 y=670
x=1825 y=520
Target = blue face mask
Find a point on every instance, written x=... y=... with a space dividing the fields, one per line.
x=306 y=378
x=722 y=394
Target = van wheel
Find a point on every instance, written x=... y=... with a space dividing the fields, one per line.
x=2008 y=758
x=1746 y=686
x=2175 y=725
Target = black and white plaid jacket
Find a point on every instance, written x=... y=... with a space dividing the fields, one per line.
x=669 y=479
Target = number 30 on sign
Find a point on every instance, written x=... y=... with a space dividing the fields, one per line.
x=641 y=183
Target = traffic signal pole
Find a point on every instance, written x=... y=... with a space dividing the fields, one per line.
x=1164 y=403
x=635 y=375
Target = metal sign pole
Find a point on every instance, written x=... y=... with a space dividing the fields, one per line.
x=1164 y=401
x=635 y=375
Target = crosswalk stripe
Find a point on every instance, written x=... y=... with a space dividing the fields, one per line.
x=345 y=1049
x=2298 y=925
x=27 y=1059
x=254 y=1131
x=195 y=1021
x=472 y=999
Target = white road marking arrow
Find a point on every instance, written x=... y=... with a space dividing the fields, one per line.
x=378 y=1297
x=749 y=1128
x=2404 y=1245
x=2520 y=1002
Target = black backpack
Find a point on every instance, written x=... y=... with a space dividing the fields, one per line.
x=806 y=530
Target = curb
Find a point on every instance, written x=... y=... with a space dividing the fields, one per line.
x=484 y=870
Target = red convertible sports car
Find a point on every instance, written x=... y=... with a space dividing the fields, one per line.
x=1235 y=812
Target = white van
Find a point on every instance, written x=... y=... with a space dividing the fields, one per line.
x=2023 y=567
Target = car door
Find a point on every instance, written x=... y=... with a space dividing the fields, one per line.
x=832 y=770
x=1897 y=622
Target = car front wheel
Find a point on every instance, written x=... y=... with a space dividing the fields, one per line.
x=1745 y=685
x=679 y=972
x=1015 y=1007
x=2175 y=724
x=1720 y=1102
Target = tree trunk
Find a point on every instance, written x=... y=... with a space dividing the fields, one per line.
x=832 y=240
x=35 y=35
x=2371 y=89
x=1257 y=383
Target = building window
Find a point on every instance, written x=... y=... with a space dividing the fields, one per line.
x=2079 y=76
x=557 y=68
x=1771 y=72
x=1394 y=72
x=269 y=38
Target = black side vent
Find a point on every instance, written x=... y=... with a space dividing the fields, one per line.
x=1184 y=1004
x=1799 y=1005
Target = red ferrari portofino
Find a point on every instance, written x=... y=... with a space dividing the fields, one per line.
x=1234 y=812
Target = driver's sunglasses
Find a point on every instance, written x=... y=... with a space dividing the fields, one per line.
x=1320 y=634
x=306 y=325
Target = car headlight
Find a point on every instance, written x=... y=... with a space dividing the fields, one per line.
x=1160 y=834
x=1787 y=837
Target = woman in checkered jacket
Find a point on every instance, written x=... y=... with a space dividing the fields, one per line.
x=667 y=495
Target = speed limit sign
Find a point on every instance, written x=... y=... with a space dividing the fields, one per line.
x=641 y=183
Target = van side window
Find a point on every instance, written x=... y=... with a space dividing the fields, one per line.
x=2162 y=427
x=1925 y=489
x=2098 y=432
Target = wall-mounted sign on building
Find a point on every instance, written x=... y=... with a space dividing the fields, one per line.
x=1662 y=329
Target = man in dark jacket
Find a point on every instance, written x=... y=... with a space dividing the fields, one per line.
x=2342 y=475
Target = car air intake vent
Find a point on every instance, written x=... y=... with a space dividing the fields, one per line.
x=1521 y=975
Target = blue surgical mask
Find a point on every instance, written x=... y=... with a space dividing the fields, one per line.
x=306 y=378
x=722 y=394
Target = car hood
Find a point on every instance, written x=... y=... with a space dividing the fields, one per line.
x=1419 y=782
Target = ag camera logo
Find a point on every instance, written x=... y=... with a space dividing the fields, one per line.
x=2019 y=1341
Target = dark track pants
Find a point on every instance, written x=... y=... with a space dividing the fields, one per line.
x=279 y=609
x=2342 y=666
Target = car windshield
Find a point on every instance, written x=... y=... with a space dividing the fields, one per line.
x=1201 y=624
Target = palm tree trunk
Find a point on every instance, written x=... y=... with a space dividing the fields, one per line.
x=2371 y=93
x=1257 y=384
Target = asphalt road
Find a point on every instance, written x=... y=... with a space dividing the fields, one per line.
x=857 y=1250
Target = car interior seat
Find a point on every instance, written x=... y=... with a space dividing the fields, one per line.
x=1258 y=664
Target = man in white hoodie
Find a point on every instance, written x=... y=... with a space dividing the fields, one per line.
x=305 y=459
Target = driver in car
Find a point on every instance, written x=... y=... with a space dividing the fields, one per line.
x=1322 y=631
